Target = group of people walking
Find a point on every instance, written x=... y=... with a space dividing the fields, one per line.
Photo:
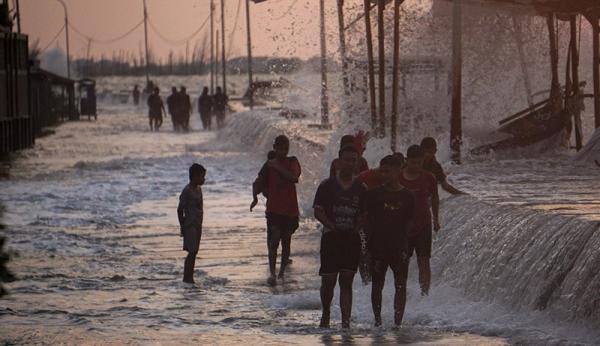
x=179 y=107
x=372 y=219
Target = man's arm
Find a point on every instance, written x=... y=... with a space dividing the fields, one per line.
x=287 y=175
x=435 y=207
x=451 y=189
x=181 y=217
x=323 y=219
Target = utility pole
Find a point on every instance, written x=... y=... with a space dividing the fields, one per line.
x=324 y=96
x=223 y=65
x=67 y=38
x=381 y=38
x=371 y=63
x=250 y=89
x=217 y=59
x=18 y=15
x=395 y=69
x=456 y=116
x=340 y=10
x=212 y=49
x=146 y=47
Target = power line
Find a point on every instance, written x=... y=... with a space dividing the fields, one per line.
x=174 y=41
x=62 y=28
x=106 y=41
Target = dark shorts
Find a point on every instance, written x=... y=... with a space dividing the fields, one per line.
x=191 y=239
x=339 y=252
x=420 y=243
x=280 y=226
x=396 y=261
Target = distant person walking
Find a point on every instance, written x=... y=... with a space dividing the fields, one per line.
x=389 y=211
x=220 y=101
x=279 y=182
x=156 y=108
x=190 y=213
x=431 y=165
x=185 y=108
x=172 y=108
x=337 y=207
x=205 y=104
x=136 y=95
x=424 y=188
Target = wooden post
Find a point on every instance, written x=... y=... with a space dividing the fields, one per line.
x=596 y=62
x=381 y=46
x=555 y=99
x=212 y=49
x=395 y=68
x=223 y=61
x=576 y=98
x=324 y=96
x=523 y=62
x=249 y=44
x=456 y=117
x=371 y=68
x=340 y=10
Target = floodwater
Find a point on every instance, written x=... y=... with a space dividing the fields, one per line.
x=91 y=211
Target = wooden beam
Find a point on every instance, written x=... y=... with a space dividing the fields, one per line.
x=456 y=116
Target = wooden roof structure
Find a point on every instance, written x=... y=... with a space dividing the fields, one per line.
x=544 y=7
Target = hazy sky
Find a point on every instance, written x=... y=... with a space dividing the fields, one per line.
x=279 y=27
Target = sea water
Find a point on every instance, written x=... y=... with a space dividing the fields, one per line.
x=91 y=214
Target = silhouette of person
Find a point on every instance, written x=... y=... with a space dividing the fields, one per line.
x=156 y=108
x=190 y=213
x=136 y=95
x=220 y=101
x=205 y=108
x=172 y=108
x=184 y=106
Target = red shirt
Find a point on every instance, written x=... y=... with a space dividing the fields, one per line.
x=362 y=166
x=371 y=178
x=423 y=189
x=282 y=198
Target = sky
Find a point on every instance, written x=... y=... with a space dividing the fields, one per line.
x=279 y=27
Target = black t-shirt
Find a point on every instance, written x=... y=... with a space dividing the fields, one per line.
x=389 y=214
x=436 y=169
x=342 y=206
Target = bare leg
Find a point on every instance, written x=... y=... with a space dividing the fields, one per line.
x=327 y=286
x=286 y=241
x=424 y=274
x=400 y=277
x=376 y=293
x=346 y=279
x=273 y=239
x=188 y=267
